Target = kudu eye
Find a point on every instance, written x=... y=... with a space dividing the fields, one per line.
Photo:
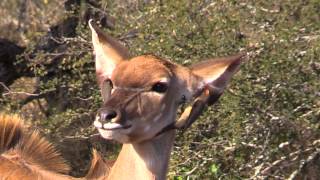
x=160 y=87
x=106 y=89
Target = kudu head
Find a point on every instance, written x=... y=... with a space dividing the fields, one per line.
x=141 y=95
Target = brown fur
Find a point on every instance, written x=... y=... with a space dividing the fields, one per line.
x=99 y=168
x=24 y=152
x=29 y=156
x=10 y=132
x=36 y=150
x=138 y=67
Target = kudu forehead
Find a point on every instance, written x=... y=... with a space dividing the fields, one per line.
x=141 y=71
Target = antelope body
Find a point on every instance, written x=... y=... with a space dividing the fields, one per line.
x=141 y=96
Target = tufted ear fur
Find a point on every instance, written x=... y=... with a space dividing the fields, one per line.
x=108 y=52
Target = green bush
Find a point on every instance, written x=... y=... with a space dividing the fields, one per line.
x=270 y=111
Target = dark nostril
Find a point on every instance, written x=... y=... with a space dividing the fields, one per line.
x=111 y=115
x=107 y=115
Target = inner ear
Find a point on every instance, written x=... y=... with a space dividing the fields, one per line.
x=210 y=78
x=108 y=52
x=217 y=72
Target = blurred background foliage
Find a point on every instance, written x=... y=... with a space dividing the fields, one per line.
x=265 y=126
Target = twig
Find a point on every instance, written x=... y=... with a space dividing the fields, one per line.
x=191 y=171
x=93 y=136
x=304 y=164
x=83 y=99
x=63 y=40
x=15 y=92
x=9 y=92
x=282 y=159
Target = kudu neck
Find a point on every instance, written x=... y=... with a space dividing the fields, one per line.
x=144 y=160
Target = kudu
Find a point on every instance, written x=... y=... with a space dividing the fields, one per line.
x=141 y=96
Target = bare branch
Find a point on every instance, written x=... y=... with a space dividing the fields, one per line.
x=291 y=157
x=10 y=92
x=304 y=164
x=83 y=99
x=79 y=138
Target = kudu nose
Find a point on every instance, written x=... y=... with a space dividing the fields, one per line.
x=107 y=115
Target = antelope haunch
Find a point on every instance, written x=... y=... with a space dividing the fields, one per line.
x=141 y=96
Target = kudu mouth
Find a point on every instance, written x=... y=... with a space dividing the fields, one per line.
x=110 y=120
x=111 y=126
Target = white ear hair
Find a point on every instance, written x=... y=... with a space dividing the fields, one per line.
x=108 y=51
x=217 y=73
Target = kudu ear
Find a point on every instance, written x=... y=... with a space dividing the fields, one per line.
x=216 y=73
x=214 y=76
x=108 y=52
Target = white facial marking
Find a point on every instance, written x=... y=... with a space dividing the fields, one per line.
x=106 y=134
x=157 y=117
x=147 y=128
x=112 y=125
x=114 y=135
x=164 y=80
x=97 y=124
